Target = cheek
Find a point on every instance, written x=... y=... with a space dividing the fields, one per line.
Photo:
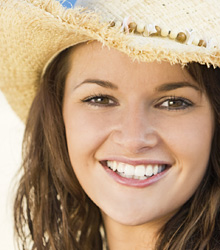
x=85 y=132
x=189 y=139
x=192 y=136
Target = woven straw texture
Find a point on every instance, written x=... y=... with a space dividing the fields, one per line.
x=35 y=31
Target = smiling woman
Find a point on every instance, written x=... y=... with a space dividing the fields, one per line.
x=121 y=148
x=137 y=136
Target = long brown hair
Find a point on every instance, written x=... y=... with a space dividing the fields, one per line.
x=197 y=225
x=51 y=210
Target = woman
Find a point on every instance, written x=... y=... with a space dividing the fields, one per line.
x=120 y=151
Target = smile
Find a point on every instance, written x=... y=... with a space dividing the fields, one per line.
x=140 y=172
x=137 y=175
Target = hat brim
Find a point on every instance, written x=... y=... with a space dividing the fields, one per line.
x=34 y=32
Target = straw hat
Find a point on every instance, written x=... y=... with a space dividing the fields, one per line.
x=33 y=32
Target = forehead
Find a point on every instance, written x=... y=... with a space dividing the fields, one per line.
x=95 y=60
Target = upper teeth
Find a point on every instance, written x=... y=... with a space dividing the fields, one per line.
x=135 y=171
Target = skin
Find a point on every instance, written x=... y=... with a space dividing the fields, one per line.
x=137 y=121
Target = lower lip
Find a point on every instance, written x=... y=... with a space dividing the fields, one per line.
x=135 y=182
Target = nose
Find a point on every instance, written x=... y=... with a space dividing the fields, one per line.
x=136 y=131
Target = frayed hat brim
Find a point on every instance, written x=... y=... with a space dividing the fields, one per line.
x=33 y=32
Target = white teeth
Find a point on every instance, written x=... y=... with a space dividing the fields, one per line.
x=139 y=172
x=136 y=177
x=128 y=176
x=149 y=170
x=125 y=175
x=155 y=170
x=121 y=167
x=122 y=174
x=110 y=164
x=114 y=166
x=129 y=169
x=142 y=178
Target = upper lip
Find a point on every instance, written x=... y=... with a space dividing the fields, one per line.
x=136 y=162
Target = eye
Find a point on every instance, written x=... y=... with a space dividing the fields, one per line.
x=100 y=100
x=175 y=103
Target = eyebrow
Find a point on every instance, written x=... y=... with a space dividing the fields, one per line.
x=102 y=83
x=176 y=85
x=162 y=88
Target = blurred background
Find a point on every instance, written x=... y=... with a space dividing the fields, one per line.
x=11 y=133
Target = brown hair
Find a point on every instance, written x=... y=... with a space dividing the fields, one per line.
x=52 y=211
x=197 y=225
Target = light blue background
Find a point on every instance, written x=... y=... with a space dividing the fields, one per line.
x=68 y=3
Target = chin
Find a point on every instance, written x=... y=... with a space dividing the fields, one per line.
x=129 y=219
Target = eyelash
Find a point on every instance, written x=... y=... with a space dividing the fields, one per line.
x=184 y=102
x=91 y=100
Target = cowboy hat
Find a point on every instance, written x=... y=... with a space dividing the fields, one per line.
x=33 y=32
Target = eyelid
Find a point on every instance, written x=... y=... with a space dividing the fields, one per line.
x=89 y=98
x=173 y=97
x=188 y=103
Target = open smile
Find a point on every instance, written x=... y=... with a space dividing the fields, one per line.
x=138 y=175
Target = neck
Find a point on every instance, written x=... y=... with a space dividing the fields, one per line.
x=126 y=237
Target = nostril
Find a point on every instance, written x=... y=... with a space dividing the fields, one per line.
x=136 y=143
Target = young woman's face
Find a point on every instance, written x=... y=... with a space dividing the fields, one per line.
x=150 y=122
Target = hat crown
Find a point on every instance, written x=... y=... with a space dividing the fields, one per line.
x=174 y=14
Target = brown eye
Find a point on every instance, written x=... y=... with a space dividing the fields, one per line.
x=101 y=100
x=175 y=103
